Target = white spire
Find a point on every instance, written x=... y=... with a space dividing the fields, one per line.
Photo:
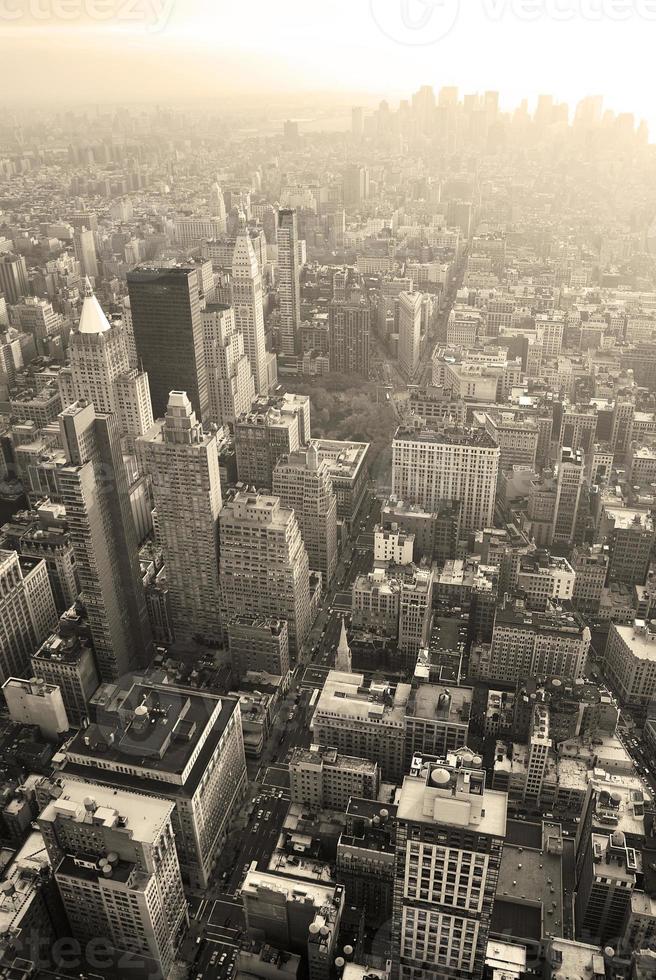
x=343 y=658
x=93 y=320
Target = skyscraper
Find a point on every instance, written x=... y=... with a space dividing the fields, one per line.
x=302 y=481
x=289 y=284
x=349 y=325
x=116 y=867
x=27 y=611
x=570 y=479
x=409 y=332
x=247 y=302
x=230 y=384
x=95 y=493
x=264 y=564
x=13 y=277
x=183 y=463
x=450 y=833
x=217 y=204
x=100 y=371
x=168 y=334
x=85 y=252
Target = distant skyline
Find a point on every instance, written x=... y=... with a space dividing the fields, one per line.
x=185 y=49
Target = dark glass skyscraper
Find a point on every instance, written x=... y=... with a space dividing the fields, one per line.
x=168 y=334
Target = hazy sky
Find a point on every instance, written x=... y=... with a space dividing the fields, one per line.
x=147 y=49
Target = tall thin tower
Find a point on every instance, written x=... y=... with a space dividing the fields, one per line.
x=183 y=462
x=248 y=305
x=95 y=493
x=217 y=204
x=289 y=281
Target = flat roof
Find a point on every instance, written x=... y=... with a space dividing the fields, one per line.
x=185 y=717
x=439 y=703
x=410 y=802
x=146 y=815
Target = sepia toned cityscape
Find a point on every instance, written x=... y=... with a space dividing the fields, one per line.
x=327 y=490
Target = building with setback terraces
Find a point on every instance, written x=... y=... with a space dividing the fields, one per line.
x=264 y=565
x=183 y=462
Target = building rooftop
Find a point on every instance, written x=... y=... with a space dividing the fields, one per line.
x=436 y=703
x=322 y=896
x=348 y=696
x=22 y=874
x=444 y=434
x=625 y=518
x=142 y=817
x=319 y=754
x=345 y=458
x=532 y=878
x=554 y=620
x=452 y=794
x=639 y=638
x=155 y=732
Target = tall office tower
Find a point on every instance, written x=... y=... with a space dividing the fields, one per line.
x=183 y=463
x=449 y=838
x=100 y=371
x=357 y=120
x=409 y=332
x=447 y=462
x=629 y=533
x=217 y=206
x=27 y=611
x=186 y=746
x=262 y=436
x=264 y=565
x=230 y=384
x=168 y=334
x=115 y=864
x=539 y=743
x=348 y=326
x=415 y=613
x=14 y=283
x=289 y=281
x=621 y=427
x=302 y=481
x=248 y=304
x=259 y=644
x=570 y=480
x=126 y=319
x=355 y=185
x=363 y=718
x=85 y=252
x=95 y=493
x=610 y=837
